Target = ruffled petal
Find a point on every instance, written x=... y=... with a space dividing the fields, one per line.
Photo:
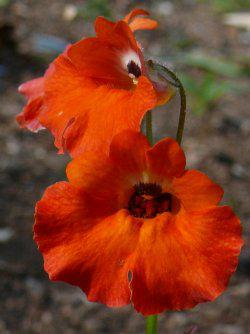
x=196 y=191
x=29 y=117
x=85 y=116
x=166 y=159
x=184 y=260
x=93 y=254
x=96 y=174
x=33 y=90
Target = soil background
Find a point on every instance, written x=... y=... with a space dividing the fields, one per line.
x=32 y=33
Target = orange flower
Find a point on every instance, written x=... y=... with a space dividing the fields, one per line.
x=135 y=226
x=95 y=89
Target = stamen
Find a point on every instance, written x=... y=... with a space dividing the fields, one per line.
x=148 y=200
x=134 y=69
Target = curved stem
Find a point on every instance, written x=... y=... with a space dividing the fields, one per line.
x=149 y=129
x=182 y=115
x=151 y=327
x=173 y=80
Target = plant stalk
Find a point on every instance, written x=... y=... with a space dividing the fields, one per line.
x=151 y=324
x=149 y=129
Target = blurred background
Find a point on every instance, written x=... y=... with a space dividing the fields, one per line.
x=207 y=43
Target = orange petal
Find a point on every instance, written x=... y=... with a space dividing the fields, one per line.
x=94 y=59
x=101 y=179
x=166 y=159
x=196 y=191
x=185 y=260
x=128 y=151
x=103 y=26
x=135 y=12
x=92 y=254
x=97 y=112
x=139 y=23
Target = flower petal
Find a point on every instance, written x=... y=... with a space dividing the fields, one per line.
x=196 y=191
x=135 y=12
x=128 y=151
x=29 y=117
x=97 y=60
x=91 y=254
x=185 y=260
x=33 y=90
x=166 y=159
x=99 y=178
x=103 y=26
x=139 y=23
x=84 y=116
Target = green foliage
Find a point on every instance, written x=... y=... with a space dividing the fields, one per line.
x=94 y=8
x=206 y=92
x=224 y=6
x=4 y=3
x=215 y=80
x=214 y=65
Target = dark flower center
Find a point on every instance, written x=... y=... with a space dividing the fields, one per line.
x=134 y=69
x=148 y=200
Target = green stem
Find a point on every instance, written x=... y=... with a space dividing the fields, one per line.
x=182 y=115
x=149 y=130
x=151 y=321
x=175 y=82
x=151 y=327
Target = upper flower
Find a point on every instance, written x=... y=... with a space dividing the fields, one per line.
x=135 y=226
x=95 y=89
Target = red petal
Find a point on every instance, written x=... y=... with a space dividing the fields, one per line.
x=33 y=90
x=135 y=12
x=92 y=254
x=128 y=152
x=166 y=159
x=99 y=112
x=28 y=118
x=184 y=261
x=196 y=191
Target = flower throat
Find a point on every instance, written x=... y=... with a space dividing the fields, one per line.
x=148 y=200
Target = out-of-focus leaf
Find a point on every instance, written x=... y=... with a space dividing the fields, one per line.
x=212 y=64
x=94 y=8
x=203 y=93
x=189 y=83
x=223 y=6
x=4 y=3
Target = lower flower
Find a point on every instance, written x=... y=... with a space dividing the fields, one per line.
x=136 y=227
